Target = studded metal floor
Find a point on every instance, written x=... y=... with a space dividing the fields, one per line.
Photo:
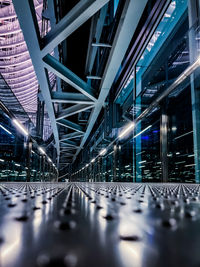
x=102 y=224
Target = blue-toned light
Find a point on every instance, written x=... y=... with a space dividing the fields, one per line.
x=6 y=130
x=145 y=137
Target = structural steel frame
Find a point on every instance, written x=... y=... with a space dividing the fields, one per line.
x=86 y=98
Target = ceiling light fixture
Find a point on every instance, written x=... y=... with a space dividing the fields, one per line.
x=127 y=130
x=20 y=127
x=5 y=129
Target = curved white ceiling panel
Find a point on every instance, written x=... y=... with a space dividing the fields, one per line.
x=15 y=62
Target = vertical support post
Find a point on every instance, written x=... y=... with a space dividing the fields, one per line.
x=40 y=167
x=119 y=163
x=100 y=169
x=134 y=141
x=38 y=118
x=29 y=149
x=115 y=163
x=194 y=15
x=43 y=168
x=163 y=144
x=42 y=119
x=93 y=171
x=134 y=162
x=138 y=154
x=48 y=170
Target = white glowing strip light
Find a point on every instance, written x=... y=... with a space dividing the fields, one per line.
x=142 y=161
x=103 y=152
x=41 y=150
x=20 y=127
x=93 y=160
x=2 y=160
x=49 y=159
x=5 y=129
x=142 y=131
x=190 y=165
x=17 y=165
x=127 y=130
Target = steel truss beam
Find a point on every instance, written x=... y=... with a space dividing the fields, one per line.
x=68 y=154
x=42 y=60
x=95 y=32
x=71 y=98
x=28 y=23
x=73 y=110
x=68 y=142
x=67 y=145
x=76 y=17
x=66 y=162
x=128 y=22
x=71 y=136
x=52 y=64
x=71 y=125
x=68 y=149
x=71 y=22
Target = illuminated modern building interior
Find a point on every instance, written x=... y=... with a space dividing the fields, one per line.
x=99 y=132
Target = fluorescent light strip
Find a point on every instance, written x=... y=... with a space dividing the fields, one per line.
x=143 y=161
x=142 y=131
x=127 y=130
x=140 y=153
x=41 y=150
x=190 y=165
x=180 y=162
x=5 y=129
x=17 y=164
x=183 y=135
x=20 y=127
x=103 y=152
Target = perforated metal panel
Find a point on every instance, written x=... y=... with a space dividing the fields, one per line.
x=99 y=224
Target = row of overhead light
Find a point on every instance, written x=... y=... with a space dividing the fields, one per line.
x=25 y=132
x=44 y=153
x=102 y=153
x=125 y=132
x=131 y=126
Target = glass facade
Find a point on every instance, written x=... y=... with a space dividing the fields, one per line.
x=19 y=157
x=158 y=98
x=164 y=145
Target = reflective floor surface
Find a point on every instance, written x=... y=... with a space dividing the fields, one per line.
x=99 y=224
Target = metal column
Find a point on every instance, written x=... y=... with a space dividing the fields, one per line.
x=163 y=144
x=194 y=15
x=29 y=149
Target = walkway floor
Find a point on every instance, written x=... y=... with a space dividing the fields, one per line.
x=99 y=224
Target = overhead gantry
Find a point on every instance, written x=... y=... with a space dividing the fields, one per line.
x=45 y=61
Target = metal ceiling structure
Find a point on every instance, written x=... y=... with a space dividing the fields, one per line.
x=16 y=65
x=19 y=84
x=44 y=56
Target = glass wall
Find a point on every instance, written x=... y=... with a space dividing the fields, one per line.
x=164 y=143
x=165 y=152
x=20 y=158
